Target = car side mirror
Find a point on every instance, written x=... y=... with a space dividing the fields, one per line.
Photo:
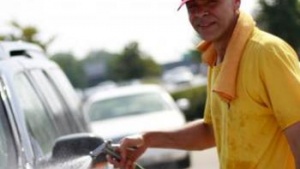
x=183 y=104
x=76 y=145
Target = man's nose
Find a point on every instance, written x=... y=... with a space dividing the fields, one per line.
x=201 y=11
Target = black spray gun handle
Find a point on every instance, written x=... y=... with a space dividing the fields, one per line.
x=108 y=148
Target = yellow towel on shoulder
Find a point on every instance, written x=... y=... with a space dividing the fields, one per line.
x=225 y=84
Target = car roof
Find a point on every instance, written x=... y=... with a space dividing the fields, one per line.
x=10 y=49
x=124 y=90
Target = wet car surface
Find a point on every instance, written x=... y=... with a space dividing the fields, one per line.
x=38 y=107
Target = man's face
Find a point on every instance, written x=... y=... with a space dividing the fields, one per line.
x=212 y=19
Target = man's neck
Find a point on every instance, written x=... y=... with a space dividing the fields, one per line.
x=222 y=43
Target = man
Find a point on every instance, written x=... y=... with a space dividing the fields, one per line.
x=252 y=110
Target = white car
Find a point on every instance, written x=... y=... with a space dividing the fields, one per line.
x=179 y=76
x=129 y=110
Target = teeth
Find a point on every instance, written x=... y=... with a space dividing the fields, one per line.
x=200 y=23
x=203 y=25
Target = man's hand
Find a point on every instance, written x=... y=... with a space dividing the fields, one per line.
x=195 y=135
x=131 y=148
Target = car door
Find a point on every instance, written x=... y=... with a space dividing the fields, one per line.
x=40 y=123
x=70 y=97
x=8 y=150
x=57 y=92
x=50 y=95
x=15 y=114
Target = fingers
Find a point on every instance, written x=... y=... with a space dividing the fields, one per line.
x=113 y=161
x=123 y=154
x=128 y=164
x=128 y=157
x=128 y=143
x=130 y=150
x=133 y=141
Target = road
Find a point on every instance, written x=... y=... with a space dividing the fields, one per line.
x=206 y=159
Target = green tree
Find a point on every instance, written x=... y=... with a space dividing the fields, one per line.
x=96 y=66
x=28 y=34
x=193 y=55
x=132 y=64
x=152 y=69
x=72 y=68
x=282 y=18
x=2 y=37
x=98 y=56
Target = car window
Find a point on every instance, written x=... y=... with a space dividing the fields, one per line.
x=8 y=155
x=38 y=120
x=70 y=96
x=66 y=88
x=127 y=105
x=54 y=100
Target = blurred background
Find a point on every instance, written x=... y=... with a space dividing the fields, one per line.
x=101 y=44
x=94 y=40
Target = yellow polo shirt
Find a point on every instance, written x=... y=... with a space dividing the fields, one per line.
x=249 y=130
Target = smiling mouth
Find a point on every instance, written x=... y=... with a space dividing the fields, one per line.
x=205 y=25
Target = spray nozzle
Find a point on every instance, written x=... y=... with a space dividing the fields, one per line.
x=108 y=148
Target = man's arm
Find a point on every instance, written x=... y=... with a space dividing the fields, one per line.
x=196 y=135
x=293 y=136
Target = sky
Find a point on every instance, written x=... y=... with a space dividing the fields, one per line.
x=81 y=26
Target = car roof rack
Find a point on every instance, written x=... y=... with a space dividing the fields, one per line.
x=9 y=49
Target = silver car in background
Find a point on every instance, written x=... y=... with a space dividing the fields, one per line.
x=128 y=110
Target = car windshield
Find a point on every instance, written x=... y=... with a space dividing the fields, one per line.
x=127 y=105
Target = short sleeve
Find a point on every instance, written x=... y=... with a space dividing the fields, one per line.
x=280 y=72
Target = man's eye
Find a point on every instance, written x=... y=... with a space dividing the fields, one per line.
x=192 y=8
x=212 y=3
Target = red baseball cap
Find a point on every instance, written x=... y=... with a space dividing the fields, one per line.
x=182 y=3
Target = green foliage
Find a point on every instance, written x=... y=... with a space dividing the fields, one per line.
x=98 y=56
x=72 y=68
x=151 y=67
x=27 y=34
x=197 y=97
x=132 y=64
x=282 y=18
x=193 y=55
x=96 y=66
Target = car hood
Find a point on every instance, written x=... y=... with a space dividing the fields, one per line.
x=122 y=126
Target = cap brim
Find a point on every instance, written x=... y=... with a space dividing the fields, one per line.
x=182 y=3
